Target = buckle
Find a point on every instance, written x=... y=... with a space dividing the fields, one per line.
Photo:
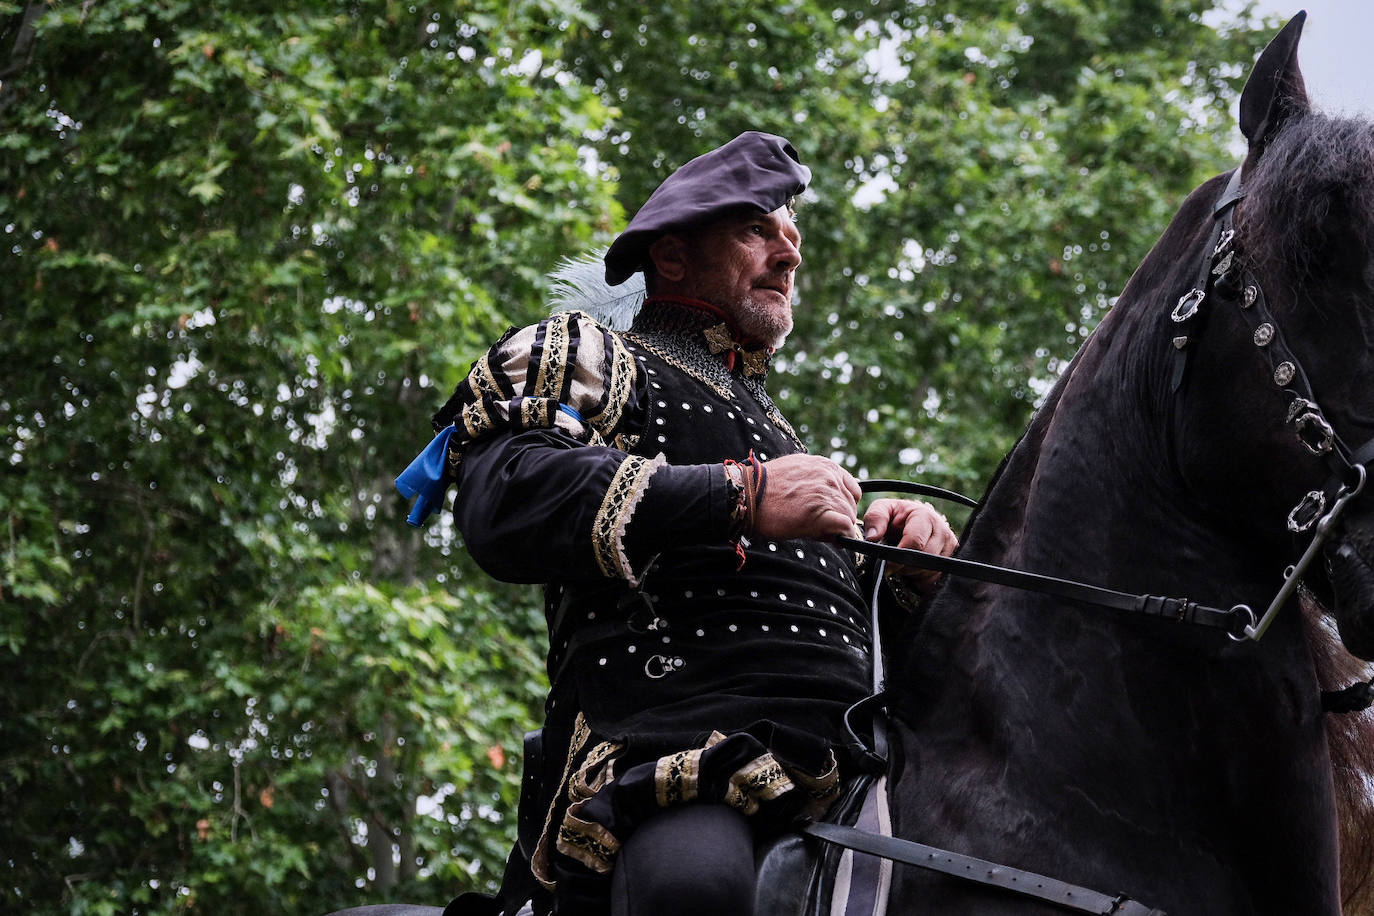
x=659 y=666
x=1224 y=241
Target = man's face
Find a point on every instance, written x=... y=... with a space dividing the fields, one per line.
x=744 y=263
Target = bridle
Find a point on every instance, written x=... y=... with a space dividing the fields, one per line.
x=1220 y=279
x=1222 y=276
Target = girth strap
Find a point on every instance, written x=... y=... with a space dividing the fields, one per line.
x=980 y=871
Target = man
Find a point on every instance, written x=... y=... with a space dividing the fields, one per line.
x=706 y=636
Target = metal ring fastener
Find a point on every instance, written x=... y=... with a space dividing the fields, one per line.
x=1246 y=618
x=658 y=666
x=1325 y=525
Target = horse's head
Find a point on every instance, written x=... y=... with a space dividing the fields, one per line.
x=1297 y=317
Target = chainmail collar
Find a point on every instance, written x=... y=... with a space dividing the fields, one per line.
x=670 y=320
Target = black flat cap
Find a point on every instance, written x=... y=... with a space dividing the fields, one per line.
x=753 y=170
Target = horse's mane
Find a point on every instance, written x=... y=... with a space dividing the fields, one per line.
x=1350 y=737
x=1309 y=209
x=1308 y=217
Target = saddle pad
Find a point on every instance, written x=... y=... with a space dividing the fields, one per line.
x=862 y=881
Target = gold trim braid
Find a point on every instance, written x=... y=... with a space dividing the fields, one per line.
x=619 y=387
x=553 y=367
x=589 y=843
x=539 y=862
x=676 y=777
x=617 y=507
x=762 y=779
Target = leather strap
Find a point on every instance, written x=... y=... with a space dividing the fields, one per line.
x=980 y=871
x=1186 y=325
x=1179 y=609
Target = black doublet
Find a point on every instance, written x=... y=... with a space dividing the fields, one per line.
x=709 y=647
x=592 y=461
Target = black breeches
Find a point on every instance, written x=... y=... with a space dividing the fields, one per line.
x=694 y=859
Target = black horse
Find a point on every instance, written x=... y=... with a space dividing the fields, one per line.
x=1186 y=768
x=1174 y=764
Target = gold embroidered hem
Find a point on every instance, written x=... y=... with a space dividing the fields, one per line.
x=676 y=777
x=762 y=779
x=607 y=792
x=589 y=843
x=622 y=496
x=539 y=862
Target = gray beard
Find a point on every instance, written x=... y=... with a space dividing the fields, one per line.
x=760 y=322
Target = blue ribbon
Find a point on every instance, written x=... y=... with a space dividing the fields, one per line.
x=424 y=478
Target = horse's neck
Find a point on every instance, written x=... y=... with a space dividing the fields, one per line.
x=1092 y=490
x=1090 y=493
x=1095 y=745
x=1040 y=732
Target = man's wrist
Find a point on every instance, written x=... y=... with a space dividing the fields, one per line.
x=736 y=505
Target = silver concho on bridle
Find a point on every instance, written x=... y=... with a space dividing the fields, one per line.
x=1313 y=429
x=1306 y=513
x=1188 y=305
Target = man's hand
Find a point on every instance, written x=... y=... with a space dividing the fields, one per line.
x=806 y=496
x=914 y=525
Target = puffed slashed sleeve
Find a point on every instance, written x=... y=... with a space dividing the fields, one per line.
x=567 y=372
x=545 y=489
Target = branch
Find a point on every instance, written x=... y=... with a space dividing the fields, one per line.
x=236 y=812
x=137 y=620
x=338 y=791
x=21 y=52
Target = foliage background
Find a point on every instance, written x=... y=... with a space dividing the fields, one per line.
x=248 y=248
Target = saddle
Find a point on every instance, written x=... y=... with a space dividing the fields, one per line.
x=798 y=875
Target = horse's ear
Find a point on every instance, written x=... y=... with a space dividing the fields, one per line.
x=1275 y=90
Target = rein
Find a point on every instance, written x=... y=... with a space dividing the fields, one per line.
x=909 y=852
x=1234 y=621
x=980 y=871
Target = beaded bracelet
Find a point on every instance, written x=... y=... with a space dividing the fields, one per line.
x=734 y=498
x=745 y=482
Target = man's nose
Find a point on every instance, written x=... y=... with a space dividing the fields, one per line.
x=787 y=254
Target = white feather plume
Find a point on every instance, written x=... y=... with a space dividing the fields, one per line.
x=579 y=283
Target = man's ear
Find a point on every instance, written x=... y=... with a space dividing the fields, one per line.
x=669 y=254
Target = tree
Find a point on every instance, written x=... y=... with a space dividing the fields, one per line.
x=249 y=249
x=239 y=242
x=987 y=175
